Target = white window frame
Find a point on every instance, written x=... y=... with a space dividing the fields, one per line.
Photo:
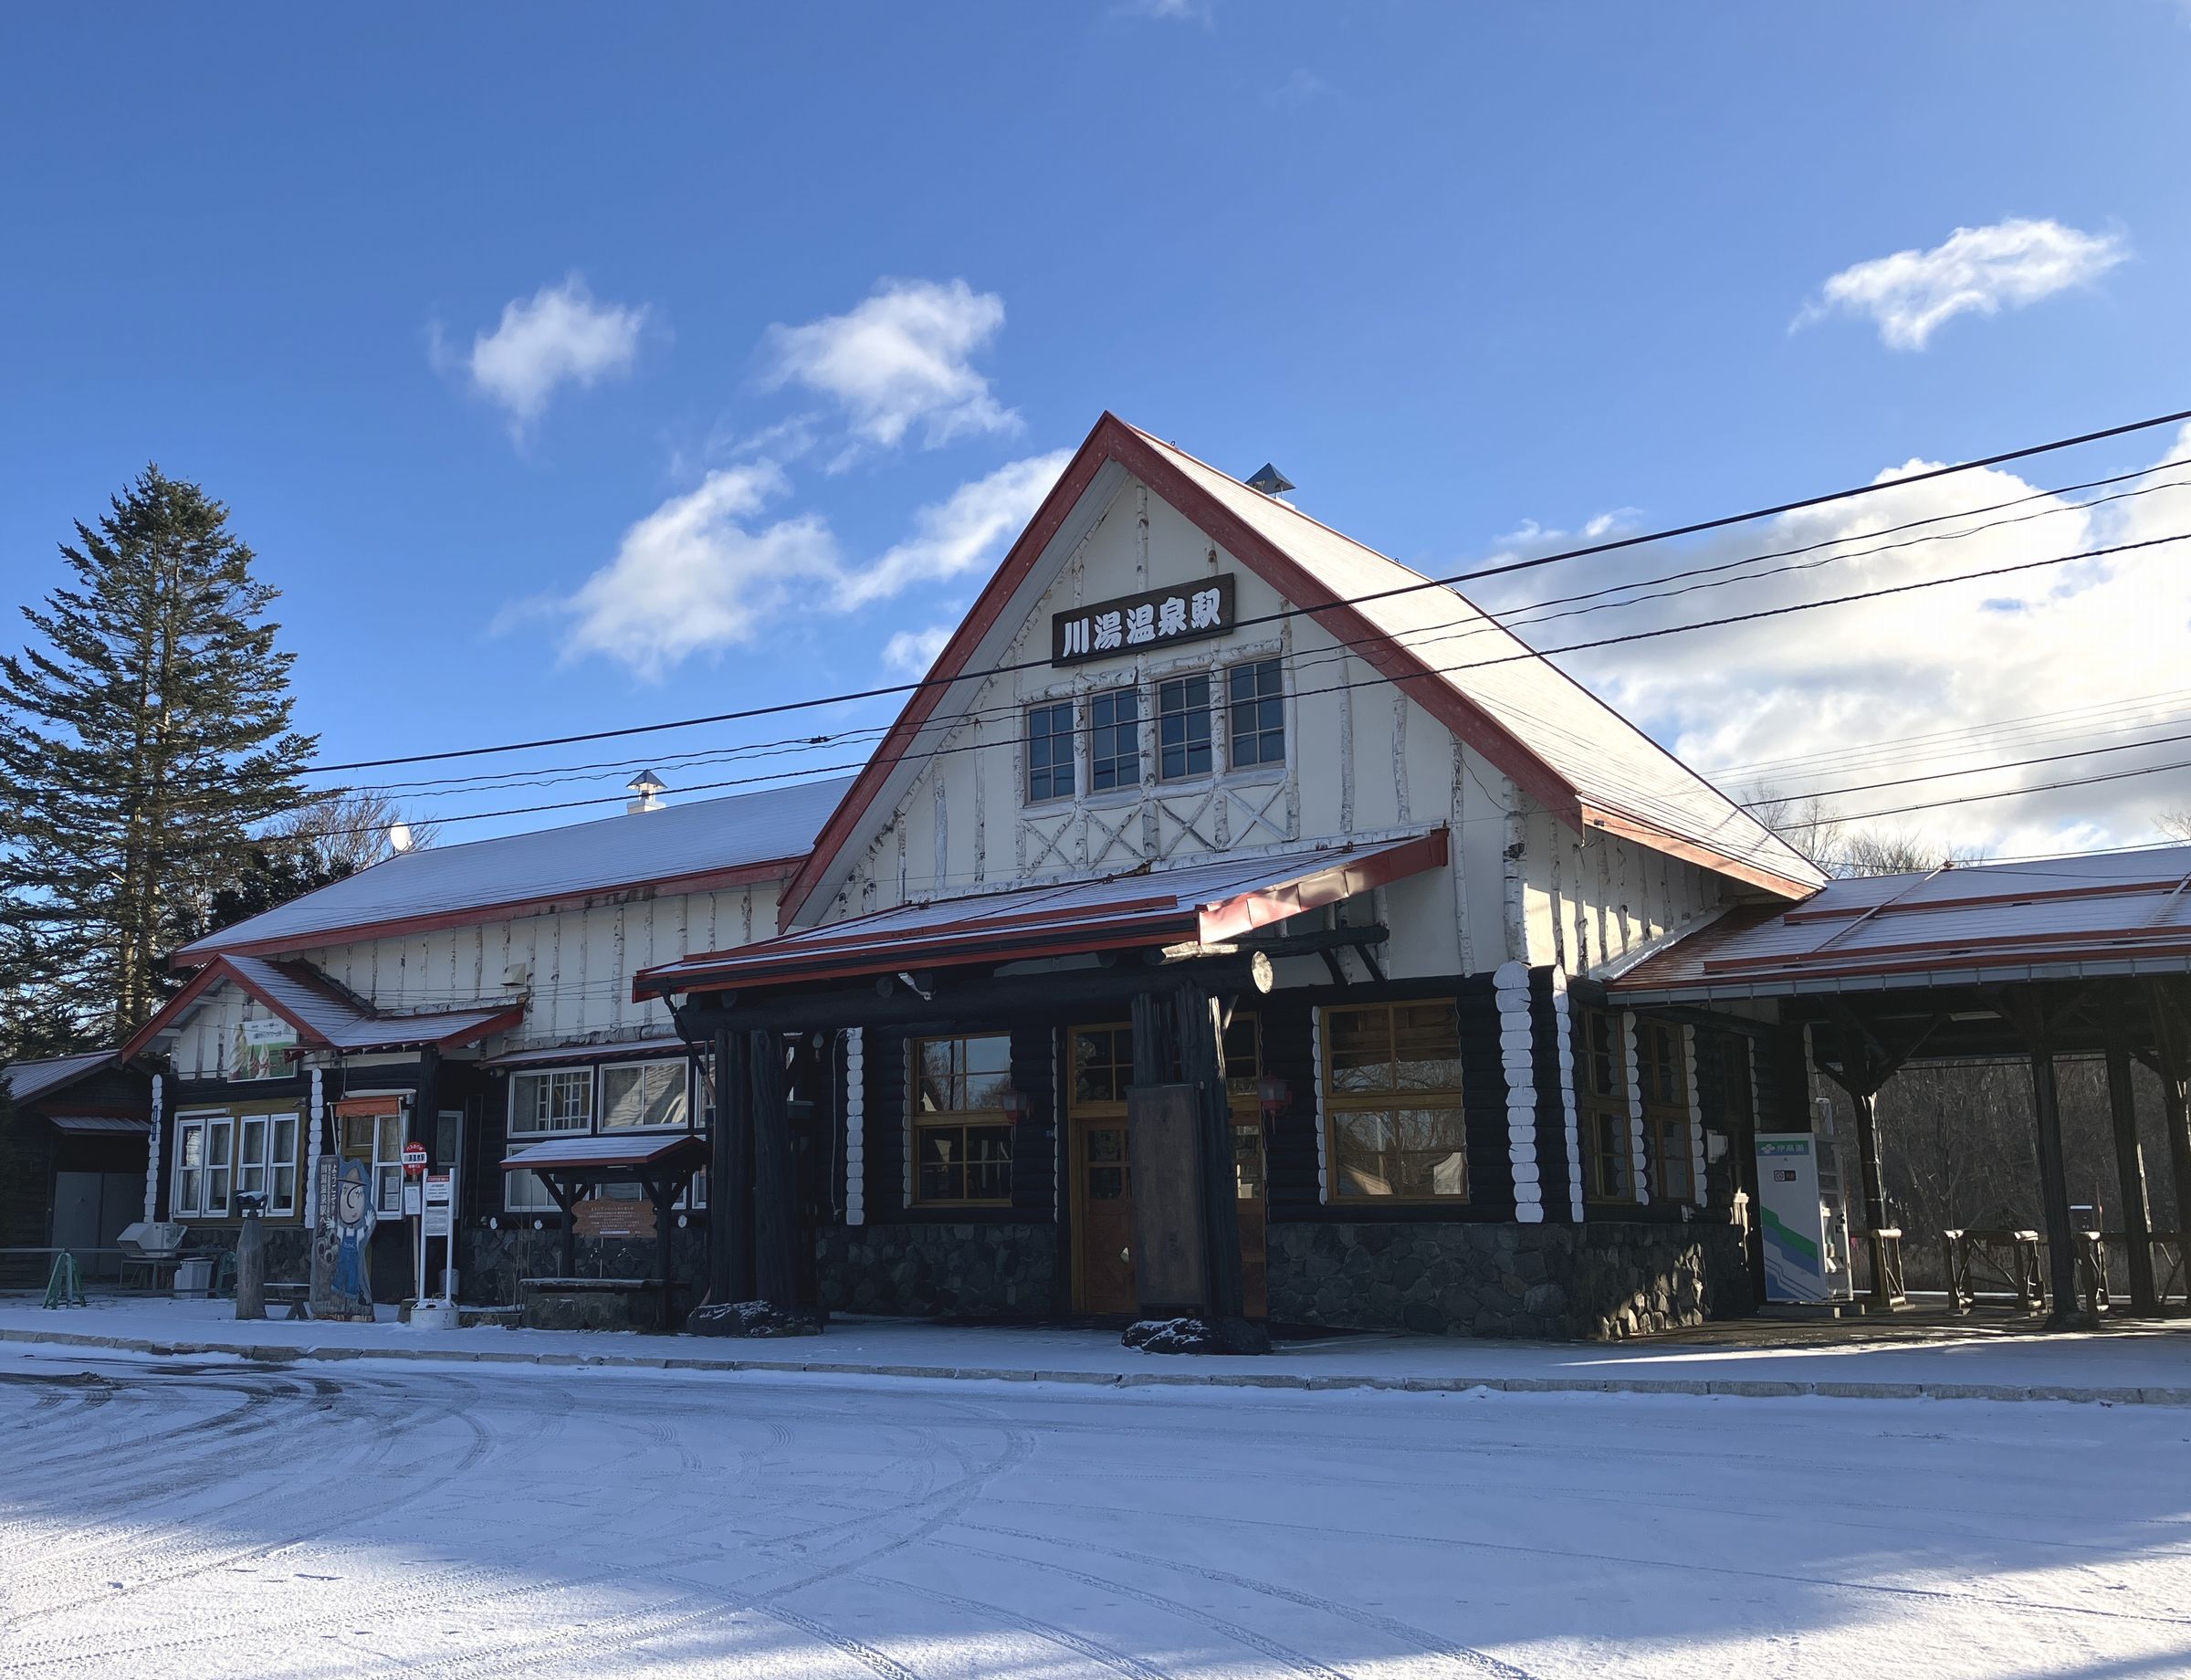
x=680 y=1074
x=259 y=1171
x=204 y=1126
x=553 y=1075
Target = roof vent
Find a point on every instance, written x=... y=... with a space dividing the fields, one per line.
x=1270 y=481
x=649 y=787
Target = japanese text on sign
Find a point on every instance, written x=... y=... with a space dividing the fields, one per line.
x=1184 y=613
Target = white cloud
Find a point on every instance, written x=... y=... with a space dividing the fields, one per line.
x=913 y=651
x=558 y=336
x=2006 y=266
x=690 y=577
x=1203 y=12
x=900 y=359
x=1801 y=701
x=697 y=575
x=961 y=533
x=1302 y=88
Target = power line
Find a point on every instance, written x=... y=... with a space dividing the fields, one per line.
x=1972 y=799
x=1978 y=770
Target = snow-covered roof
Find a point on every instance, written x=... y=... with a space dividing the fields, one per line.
x=1210 y=901
x=712 y=840
x=608 y=1150
x=29 y=1080
x=2120 y=913
x=322 y=1013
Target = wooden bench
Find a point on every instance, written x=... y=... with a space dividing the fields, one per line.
x=294 y=1300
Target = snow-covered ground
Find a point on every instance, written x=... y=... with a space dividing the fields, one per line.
x=165 y=1517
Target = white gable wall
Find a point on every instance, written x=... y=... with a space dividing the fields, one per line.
x=1363 y=762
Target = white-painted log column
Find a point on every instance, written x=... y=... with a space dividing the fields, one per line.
x=856 y=1128
x=151 y=1153
x=1563 y=1023
x=1315 y=1098
x=1696 y=1117
x=315 y=1144
x=1517 y=1053
x=1637 y=1169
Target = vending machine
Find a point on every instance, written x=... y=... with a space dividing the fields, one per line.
x=1806 y=1258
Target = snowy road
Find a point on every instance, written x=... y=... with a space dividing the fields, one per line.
x=165 y=1518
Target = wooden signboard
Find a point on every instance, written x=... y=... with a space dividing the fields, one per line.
x=1153 y=619
x=1170 y=1268
x=607 y=1216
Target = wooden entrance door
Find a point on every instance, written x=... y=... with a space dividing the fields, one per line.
x=1102 y=1167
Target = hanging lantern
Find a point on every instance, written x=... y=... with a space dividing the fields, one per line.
x=1273 y=1093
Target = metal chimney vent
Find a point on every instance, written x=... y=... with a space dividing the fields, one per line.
x=649 y=787
x=1270 y=481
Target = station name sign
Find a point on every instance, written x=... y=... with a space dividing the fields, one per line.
x=1155 y=618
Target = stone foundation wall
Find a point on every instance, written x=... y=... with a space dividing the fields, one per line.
x=493 y=1260
x=1547 y=1282
x=987 y=1271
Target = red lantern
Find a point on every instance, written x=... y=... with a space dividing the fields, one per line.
x=1273 y=1093
x=1015 y=1104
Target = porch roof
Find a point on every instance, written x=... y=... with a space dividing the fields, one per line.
x=2047 y=918
x=27 y=1081
x=109 y=1123
x=609 y=1152
x=1209 y=902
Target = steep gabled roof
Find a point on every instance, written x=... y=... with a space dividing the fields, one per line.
x=1584 y=763
x=322 y=1013
x=680 y=847
x=28 y=1080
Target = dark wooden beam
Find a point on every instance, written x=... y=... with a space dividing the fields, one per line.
x=2130 y=1176
x=1200 y=1025
x=775 y=1187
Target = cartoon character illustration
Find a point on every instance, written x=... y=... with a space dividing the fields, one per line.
x=354 y=1219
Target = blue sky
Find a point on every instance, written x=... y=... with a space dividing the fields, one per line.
x=456 y=307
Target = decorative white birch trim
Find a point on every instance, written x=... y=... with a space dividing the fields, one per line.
x=314 y=1142
x=151 y=1155
x=1637 y=1169
x=905 y=1092
x=1316 y=1100
x=1517 y=1053
x=856 y=1128
x=1563 y=1019
x=1696 y=1118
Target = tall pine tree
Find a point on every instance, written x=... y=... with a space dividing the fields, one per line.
x=138 y=745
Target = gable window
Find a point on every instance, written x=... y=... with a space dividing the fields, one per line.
x=1114 y=739
x=1183 y=727
x=1601 y=1107
x=1663 y=1077
x=552 y=1102
x=265 y=1162
x=1049 y=750
x=1255 y=713
x=641 y=1094
x=204 y=1166
x=1392 y=1102
x=961 y=1133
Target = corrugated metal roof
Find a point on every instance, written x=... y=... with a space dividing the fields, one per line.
x=107 y=1123
x=1612 y=764
x=610 y=1150
x=29 y=1080
x=1211 y=899
x=675 y=843
x=294 y=991
x=541 y=1055
x=2123 y=912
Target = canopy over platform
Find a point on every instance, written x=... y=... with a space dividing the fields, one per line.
x=662 y=1164
x=1203 y=904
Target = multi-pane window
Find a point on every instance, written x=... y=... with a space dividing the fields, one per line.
x=204 y=1165
x=635 y=1094
x=1049 y=750
x=1103 y=1064
x=1601 y=1105
x=1183 y=727
x=1392 y=1102
x=1661 y=1078
x=265 y=1162
x=1114 y=739
x=1255 y=713
x=961 y=1132
x=377 y=1140
x=562 y=1100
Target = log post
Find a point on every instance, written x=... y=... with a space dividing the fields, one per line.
x=775 y=1180
x=730 y=1175
x=2067 y=1311
x=2130 y=1173
x=1860 y=1079
x=1202 y=1064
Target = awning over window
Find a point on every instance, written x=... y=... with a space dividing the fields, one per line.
x=393 y=1104
x=1209 y=902
x=658 y=1151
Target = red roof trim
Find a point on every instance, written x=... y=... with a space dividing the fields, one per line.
x=1245 y=912
x=776 y=868
x=1689 y=851
x=220 y=968
x=2008 y=899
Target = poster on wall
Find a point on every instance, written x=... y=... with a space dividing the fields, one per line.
x=342 y=1242
x=265 y=1048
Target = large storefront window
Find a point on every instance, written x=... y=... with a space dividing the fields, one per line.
x=1601 y=1106
x=1392 y=1102
x=961 y=1132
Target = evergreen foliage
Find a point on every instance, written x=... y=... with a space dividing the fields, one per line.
x=140 y=745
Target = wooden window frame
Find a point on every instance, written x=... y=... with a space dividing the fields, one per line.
x=1662 y=1078
x=922 y=1124
x=1063 y=775
x=1393 y=1098
x=1184 y=715
x=1254 y=703
x=1602 y=1115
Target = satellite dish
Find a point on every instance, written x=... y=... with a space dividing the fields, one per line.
x=399 y=837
